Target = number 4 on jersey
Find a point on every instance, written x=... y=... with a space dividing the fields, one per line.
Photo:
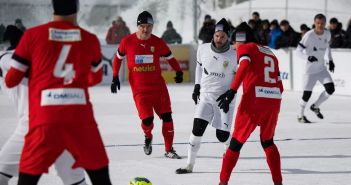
x=63 y=70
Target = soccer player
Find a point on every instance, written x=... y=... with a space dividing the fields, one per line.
x=61 y=61
x=258 y=71
x=314 y=48
x=216 y=65
x=11 y=151
x=143 y=51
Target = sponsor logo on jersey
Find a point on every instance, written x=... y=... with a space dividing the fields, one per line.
x=63 y=96
x=225 y=64
x=268 y=92
x=148 y=68
x=62 y=35
x=144 y=59
x=265 y=50
x=152 y=49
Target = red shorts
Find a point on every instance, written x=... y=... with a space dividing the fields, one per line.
x=44 y=144
x=246 y=122
x=147 y=103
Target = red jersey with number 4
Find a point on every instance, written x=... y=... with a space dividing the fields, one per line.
x=143 y=61
x=62 y=60
x=262 y=86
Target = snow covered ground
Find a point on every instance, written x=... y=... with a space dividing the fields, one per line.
x=313 y=154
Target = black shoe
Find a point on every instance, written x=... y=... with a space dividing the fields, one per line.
x=148 y=146
x=188 y=169
x=172 y=154
x=303 y=119
x=317 y=111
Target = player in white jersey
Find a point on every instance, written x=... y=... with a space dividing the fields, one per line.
x=216 y=65
x=11 y=151
x=314 y=48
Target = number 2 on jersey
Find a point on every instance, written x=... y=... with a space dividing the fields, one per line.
x=63 y=70
x=270 y=68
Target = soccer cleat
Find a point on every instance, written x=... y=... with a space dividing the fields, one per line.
x=148 y=146
x=303 y=119
x=187 y=169
x=317 y=111
x=172 y=154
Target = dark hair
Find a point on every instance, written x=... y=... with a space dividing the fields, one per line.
x=256 y=13
x=284 y=22
x=320 y=16
x=274 y=22
x=333 y=21
x=304 y=27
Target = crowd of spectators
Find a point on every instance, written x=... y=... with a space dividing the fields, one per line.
x=18 y=23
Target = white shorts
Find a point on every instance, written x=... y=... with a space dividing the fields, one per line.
x=310 y=80
x=207 y=109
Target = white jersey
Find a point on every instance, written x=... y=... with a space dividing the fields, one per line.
x=215 y=71
x=315 y=45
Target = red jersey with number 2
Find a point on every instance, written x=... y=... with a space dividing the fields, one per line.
x=262 y=86
x=60 y=66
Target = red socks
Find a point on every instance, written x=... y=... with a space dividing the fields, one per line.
x=168 y=134
x=147 y=130
x=229 y=160
x=273 y=160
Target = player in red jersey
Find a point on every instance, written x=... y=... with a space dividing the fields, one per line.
x=143 y=51
x=61 y=60
x=260 y=103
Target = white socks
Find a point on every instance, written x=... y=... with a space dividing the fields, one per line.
x=302 y=108
x=194 y=146
x=324 y=96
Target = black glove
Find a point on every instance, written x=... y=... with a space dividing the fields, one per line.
x=312 y=59
x=115 y=84
x=225 y=99
x=179 y=77
x=331 y=66
x=196 y=93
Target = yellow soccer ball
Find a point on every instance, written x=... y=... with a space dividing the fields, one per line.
x=140 y=181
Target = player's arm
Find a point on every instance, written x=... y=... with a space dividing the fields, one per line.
x=167 y=53
x=330 y=57
x=95 y=75
x=116 y=65
x=17 y=72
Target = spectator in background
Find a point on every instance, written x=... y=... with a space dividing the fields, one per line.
x=255 y=28
x=2 y=31
x=19 y=25
x=256 y=18
x=264 y=33
x=348 y=35
x=337 y=35
x=207 y=30
x=231 y=31
x=170 y=36
x=117 y=31
x=288 y=38
x=274 y=34
x=303 y=29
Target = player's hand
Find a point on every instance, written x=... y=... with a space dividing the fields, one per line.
x=196 y=93
x=115 y=84
x=312 y=59
x=225 y=99
x=331 y=66
x=179 y=77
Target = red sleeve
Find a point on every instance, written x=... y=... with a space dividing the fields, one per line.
x=167 y=53
x=21 y=62
x=96 y=73
x=280 y=82
x=244 y=62
x=118 y=58
x=13 y=77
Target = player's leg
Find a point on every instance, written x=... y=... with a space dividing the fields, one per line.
x=329 y=87
x=223 y=137
x=309 y=82
x=244 y=126
x=27 y=179
x=69 y=176
x=223 y=124
x=267 y=129
x=143 y=104
x=11 y=152
x=199 y=128
x=168 y=135
x=81 y=141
